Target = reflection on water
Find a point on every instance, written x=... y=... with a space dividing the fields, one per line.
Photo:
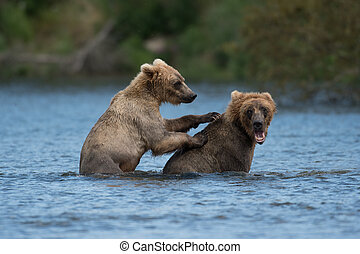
x=303 y=182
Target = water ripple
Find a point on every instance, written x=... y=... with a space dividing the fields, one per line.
x=303 y=182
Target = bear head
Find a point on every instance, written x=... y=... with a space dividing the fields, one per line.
x=253 y=111
x=166 y=83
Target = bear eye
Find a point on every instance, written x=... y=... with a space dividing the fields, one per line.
x=265 y=111
x=249 y=113
x=177 y=85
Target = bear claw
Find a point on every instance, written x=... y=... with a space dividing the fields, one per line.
x=212 y=116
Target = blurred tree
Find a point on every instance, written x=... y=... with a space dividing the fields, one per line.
x=15 y=19
x=14 y=24
x=157 y=17
x=261 y=40
x=214 y=43
x=310 y=40
x=33 y=7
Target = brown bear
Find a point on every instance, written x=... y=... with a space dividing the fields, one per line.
x=133 y=125
x=231 y=138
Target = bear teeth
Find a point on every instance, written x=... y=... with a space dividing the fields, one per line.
x=259 y=136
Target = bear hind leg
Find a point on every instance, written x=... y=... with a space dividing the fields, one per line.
x=100 y=165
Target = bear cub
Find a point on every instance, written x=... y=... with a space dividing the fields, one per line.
x=231 y=138
x=133 y=125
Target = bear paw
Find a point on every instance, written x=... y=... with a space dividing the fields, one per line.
x=200 y=139
x=211 y=117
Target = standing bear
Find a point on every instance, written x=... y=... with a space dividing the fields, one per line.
x=231 y=138
x=133 y=125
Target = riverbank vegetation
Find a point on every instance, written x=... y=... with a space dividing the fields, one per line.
x=301 y=42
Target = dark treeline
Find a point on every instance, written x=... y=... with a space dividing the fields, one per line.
x=279 y=41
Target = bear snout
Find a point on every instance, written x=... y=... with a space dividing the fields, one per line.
x=193 y=96
x=190 y=98
x=258 y=125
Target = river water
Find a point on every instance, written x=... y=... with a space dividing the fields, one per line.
x=304 y=181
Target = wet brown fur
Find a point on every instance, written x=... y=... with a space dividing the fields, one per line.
x=231 y=139
x=133 y=125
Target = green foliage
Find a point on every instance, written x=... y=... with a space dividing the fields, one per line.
x=14 y=24
x=2 y=42
x=257 y=40
x=149 y=18
x=215 y=41
x=64 y=45
x=310 y=40
x=33 y=7
x=135 y=53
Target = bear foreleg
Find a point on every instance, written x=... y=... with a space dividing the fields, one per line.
x=176 y=140
x=185 y=123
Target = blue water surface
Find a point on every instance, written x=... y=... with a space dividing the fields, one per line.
x=304 y=181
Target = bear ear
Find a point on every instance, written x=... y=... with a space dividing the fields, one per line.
x=158 y=61
x=267 y=96
x=147 y=69
x=236 y=94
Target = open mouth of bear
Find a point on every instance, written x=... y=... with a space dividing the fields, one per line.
x=260 y=137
